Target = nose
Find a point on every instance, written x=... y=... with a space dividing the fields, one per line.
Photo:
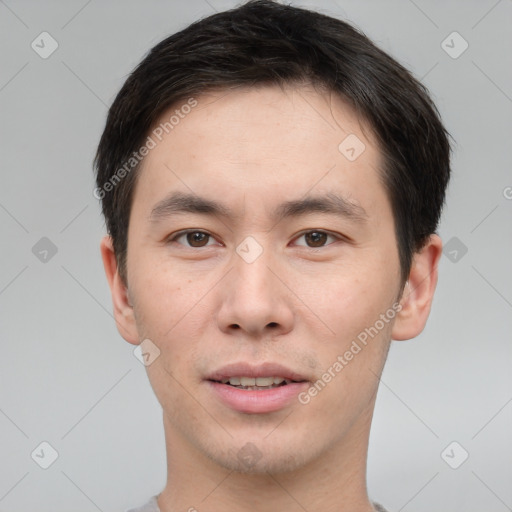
x=255 y=300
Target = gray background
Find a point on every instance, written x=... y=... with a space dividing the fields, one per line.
x=68 y=378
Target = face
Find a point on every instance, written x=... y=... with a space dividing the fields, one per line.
x=259 y=247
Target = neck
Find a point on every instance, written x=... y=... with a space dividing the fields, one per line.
x=333 y=482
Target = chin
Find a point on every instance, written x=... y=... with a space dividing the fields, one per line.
x=259 y=456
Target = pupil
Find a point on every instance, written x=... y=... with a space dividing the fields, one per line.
x=195 y=238
x=317 y=239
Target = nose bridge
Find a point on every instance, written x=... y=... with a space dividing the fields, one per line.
x=254 y=300
x=253 y=277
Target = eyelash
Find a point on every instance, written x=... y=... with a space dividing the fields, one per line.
x=178 y=235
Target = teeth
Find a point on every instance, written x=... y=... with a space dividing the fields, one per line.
x=264 y=381
x=256 y=388
x=254 y=382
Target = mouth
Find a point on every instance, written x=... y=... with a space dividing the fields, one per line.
x=255 y=383
x=256 y=389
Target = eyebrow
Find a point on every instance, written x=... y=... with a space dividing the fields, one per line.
x=331 y=203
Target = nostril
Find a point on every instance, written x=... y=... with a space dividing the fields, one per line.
x=272 y=324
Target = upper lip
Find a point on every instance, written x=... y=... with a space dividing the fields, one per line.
x=244 y=369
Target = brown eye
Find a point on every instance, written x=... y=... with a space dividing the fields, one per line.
x=316 y=238
x=197 y=238
x=193 y=238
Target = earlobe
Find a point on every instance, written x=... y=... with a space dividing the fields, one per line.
x=419 y=291
x=123 y=309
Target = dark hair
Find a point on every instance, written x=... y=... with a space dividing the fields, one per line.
x=266 y=43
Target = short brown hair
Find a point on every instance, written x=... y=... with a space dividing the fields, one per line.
x=266 y=43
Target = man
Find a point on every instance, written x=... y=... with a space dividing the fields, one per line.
x=271 y=183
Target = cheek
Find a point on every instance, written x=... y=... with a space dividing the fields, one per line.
x=171 y=310
x=352 y=307
x=351 y=298
x=354 y=356
x=161 y=300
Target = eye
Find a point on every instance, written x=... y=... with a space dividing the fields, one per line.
x=193 y=237
x=316 y=238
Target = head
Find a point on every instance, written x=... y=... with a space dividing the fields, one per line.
x=271 y=181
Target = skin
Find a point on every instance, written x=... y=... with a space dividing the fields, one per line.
x=301 y=306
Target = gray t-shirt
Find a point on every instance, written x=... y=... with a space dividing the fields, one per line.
x=152 y=506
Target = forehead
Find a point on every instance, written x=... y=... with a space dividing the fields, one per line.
x=260 y=143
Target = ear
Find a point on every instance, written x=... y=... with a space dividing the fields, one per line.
x=419 y=291
x=123 y=310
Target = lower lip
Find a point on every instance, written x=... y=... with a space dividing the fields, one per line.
x=266 y=400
